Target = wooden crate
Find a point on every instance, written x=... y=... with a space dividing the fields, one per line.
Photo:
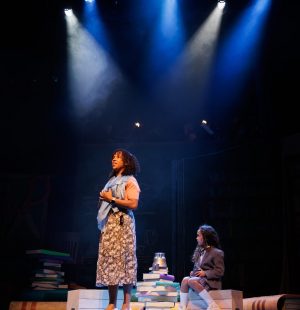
x=225 y=299
x=95 y=299
x=37 y=305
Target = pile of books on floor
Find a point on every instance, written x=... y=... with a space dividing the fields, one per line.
x=47 y=269
x=158 y=290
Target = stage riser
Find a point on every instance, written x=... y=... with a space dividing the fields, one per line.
x=225 y=299
x=96 y=300
x=37 y=305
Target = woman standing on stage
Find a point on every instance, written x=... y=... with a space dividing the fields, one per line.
x=117 y=263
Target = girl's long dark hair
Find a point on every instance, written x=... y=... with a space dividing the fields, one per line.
x=210 y=237
x=132 y=166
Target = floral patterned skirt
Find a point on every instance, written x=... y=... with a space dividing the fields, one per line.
x=117 y=263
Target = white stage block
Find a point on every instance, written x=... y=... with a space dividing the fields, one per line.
x=225 y=299
x=96 y=299
x=91 y=299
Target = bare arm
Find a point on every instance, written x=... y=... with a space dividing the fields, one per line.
x=131 y=198
x=125 y=203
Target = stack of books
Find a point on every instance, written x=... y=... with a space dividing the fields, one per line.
x=158 y=290
x=47 y=273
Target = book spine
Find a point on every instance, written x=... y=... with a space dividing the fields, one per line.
x=168 y=283
x=47 y=252
x=167 y=277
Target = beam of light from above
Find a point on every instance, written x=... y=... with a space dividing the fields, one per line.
x=240 y=51
x=93 y=23
x=169 y=18
x=166 y=41
x=192 y=71
x=92 y=75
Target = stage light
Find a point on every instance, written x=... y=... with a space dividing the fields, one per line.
x=205 y=126
x=68 y=12
x=137 y=124
x=221 y=4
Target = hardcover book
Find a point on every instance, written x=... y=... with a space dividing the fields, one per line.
x=151 y=276
x=47 y=252
x=158 y=276
x=148 y=294
x=164 y=304
x=158 y=299
x=156 y=289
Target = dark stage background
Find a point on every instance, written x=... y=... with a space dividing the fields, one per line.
x=244 y=179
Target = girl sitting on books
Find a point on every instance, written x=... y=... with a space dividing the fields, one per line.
x=208 y=268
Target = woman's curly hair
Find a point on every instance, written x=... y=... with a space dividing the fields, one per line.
x=132 y=166
x=210 y=237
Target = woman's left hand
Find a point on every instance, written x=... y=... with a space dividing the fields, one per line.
x=106 y=195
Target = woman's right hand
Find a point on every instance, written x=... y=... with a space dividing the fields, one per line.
x=106 y=195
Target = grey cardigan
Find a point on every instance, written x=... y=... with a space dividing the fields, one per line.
x=213 y=265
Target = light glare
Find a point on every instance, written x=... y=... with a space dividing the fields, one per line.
x=221 y=4
x=68 y=12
